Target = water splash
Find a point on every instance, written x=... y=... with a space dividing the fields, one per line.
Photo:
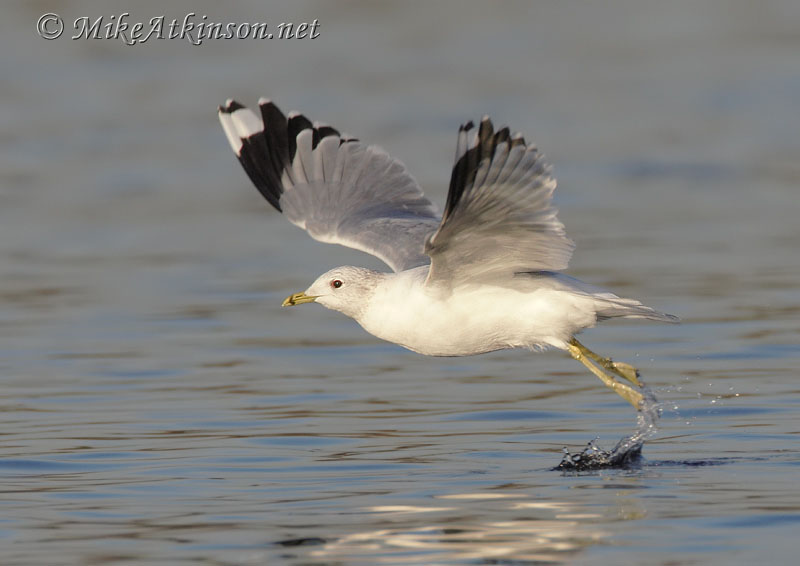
x=627 y=452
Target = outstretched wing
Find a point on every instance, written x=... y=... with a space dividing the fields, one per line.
x=499 y=218
x=336 y=188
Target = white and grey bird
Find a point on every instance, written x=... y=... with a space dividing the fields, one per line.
x=482 y=276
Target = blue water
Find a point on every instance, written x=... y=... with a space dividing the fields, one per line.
x=159 y=407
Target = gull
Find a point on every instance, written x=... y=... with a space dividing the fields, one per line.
x=484 y=275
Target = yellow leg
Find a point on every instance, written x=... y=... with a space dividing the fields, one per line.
x=625 y=391
x=625 y=371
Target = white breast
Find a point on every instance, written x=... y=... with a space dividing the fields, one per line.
x=472 y=320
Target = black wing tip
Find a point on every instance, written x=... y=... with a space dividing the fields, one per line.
x=296 y=125
x=300 y=121
x=486 y=128
x=322 y=131
x=488 y=138
x=263 y=152
x=516 y=140
x=502 y=135
x=483 y=147
x=267 y=153
x=231 y=106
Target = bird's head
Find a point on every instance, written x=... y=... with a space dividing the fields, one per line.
x=344 y=289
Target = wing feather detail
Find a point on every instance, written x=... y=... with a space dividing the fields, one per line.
x=499 y=218
x=333 y=186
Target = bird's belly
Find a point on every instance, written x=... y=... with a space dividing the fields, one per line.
x=472 y=323
x=461 y=339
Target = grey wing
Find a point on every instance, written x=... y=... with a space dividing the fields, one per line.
x=499 y=218
x=336 y=188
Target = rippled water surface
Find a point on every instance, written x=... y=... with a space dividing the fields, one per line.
x=159 y=407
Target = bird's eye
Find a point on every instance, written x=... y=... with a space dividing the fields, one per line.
x=336 y=283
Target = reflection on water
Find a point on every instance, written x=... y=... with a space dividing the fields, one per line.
x=533 y=532
x=159 y=407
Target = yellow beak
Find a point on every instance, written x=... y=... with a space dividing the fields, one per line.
x=298 y=299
